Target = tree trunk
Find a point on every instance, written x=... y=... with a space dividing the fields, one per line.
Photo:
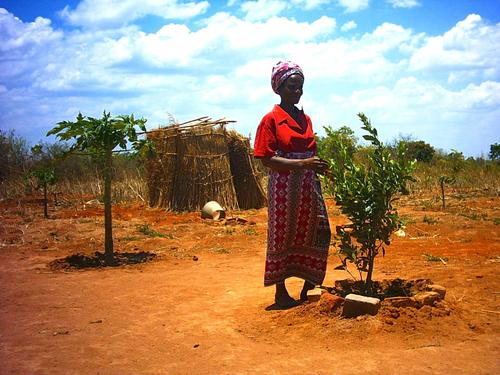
x=108 y=226
x=45 y=202
x=371 y=263
x=442 y=193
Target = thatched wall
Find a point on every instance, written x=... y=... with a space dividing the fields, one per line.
x=245 y=178
x=200 y=162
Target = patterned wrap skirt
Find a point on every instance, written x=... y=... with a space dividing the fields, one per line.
x=298 y=234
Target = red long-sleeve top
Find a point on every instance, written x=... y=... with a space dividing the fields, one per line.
x=279 y=131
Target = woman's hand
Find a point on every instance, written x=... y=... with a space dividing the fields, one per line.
x=316 y=164
x=282 y=164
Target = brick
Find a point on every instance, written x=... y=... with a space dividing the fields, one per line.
x=441 y=290
x=355 y=305
x=427 y=298
x=400 y=302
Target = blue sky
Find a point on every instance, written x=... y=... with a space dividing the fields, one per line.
x=419 y=68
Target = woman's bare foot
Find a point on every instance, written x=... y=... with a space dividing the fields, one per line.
x=307 y=287
x=282 y=299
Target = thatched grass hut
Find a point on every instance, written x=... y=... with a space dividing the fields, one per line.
x=246 y=179
x=200 y=161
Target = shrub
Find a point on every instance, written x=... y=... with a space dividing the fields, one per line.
x=365 y=195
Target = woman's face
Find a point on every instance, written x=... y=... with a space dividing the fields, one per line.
x=291 y=90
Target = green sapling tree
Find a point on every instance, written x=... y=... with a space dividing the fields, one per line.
x=43 y=172
x=455 y=162
x=100 y=138
x=365 y=194
x=45 y=177
x=443 y=179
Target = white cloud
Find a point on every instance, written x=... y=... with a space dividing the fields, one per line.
x=428 y=111
x=471 y=45
x=225 y=36
x=350 y=25
x=387 y=36
x=358 y=60
x=24 y=47
x=309 y=4
x=354 y=5
x=100 y=59
x=410 y=96
x=14 y=34
x=109 y=13
x=462 y=76
x=256 y=10
x=262 y=9
x=223 y=64
x=404 y=3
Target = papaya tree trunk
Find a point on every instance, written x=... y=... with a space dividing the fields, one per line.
x=442 y=194
x=108 y=225
x=45 y=202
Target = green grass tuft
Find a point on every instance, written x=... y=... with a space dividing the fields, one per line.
x=148 y=231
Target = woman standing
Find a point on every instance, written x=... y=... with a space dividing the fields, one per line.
x=298 y=231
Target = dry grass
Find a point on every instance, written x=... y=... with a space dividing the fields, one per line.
x=474 y=178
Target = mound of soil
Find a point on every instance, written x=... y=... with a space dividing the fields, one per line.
x=98 y=260
x=396 y=296
x=381 y=289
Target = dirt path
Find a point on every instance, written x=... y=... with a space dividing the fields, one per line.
x=180 y=316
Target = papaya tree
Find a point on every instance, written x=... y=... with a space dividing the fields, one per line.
x=43 y=172
x=101 y=138
x=44 y=177
x=443 y=179
x=365 y=194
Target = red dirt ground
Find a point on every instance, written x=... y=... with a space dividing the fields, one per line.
x=179 y=315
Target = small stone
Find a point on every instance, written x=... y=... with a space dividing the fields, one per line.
x=395 y=314
x=329 y=302
x=314 y=295
x=427 y=298
x=400 y=233
x=61 y=332
x=400 y=302
x=195 y=258
x=355 y=305
x=441 y=290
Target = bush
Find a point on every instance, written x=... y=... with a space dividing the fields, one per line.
x=365 y=194
x=343 y=136
x=420 y=151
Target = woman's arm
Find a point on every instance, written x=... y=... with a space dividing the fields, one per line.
x=278 y=163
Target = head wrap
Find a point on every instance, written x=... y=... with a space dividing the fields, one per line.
x=281 y=71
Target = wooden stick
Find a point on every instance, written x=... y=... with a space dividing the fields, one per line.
x=490 y=311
